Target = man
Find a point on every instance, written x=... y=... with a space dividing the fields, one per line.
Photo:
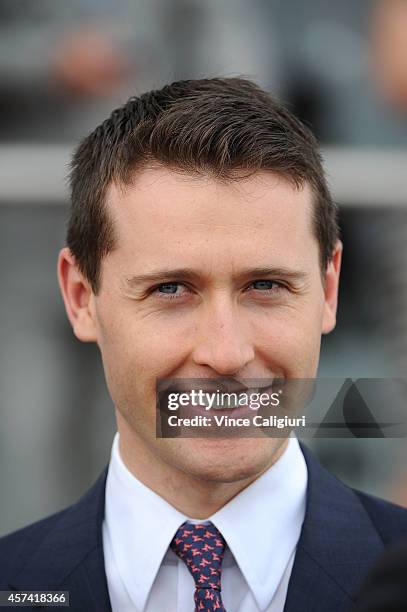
x=202 y=243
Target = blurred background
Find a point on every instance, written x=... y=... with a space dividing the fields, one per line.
x=340 y=66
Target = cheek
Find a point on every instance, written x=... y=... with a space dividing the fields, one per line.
x=290 y=340
x=138 y=350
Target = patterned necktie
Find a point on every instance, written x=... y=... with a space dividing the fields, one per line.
x=202 y=548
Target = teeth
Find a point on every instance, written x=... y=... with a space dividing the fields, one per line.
x=225 y=404
x=219 y=406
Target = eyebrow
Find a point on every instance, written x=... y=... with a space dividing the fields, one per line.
x=161 y=276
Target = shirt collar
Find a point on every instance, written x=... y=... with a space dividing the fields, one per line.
x=141 y=525
x=261 y=525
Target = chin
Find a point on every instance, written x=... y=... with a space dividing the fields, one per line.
x=229 y=460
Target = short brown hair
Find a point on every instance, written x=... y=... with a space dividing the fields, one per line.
x=224 y=127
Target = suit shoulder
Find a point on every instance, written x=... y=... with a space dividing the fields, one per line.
x=46 y=546
x=389 y=519
x=15 y=547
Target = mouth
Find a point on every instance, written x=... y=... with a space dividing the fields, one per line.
x=223 y=408
x=220 y=396
x=212 y=385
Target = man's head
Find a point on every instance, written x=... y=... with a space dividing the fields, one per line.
x=202 y=242
x=220 y=128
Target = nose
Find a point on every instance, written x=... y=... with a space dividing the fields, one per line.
x=222 y=343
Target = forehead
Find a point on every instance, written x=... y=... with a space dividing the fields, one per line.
x=162 y=211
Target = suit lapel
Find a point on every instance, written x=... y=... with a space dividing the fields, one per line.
x=70 y=557
x=337 y=545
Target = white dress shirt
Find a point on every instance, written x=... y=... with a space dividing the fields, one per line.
x=261 y=526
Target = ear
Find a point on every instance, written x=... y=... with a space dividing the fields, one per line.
x=331 y=287
x=78 y=297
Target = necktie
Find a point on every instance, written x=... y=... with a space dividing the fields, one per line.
x=202 y=548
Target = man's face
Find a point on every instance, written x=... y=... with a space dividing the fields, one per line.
x=223 y=318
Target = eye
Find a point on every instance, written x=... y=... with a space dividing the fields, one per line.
x=268 y=286
x=168 y=291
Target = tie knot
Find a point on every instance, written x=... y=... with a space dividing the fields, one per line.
x=202 y=548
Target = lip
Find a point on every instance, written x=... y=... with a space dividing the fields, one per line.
x=238 y=412
x=205 y=386
x=211 y=385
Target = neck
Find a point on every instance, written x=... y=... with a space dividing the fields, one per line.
x=193 y=496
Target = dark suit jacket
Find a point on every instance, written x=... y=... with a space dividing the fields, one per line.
x=343 y=533
x=385 y=589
